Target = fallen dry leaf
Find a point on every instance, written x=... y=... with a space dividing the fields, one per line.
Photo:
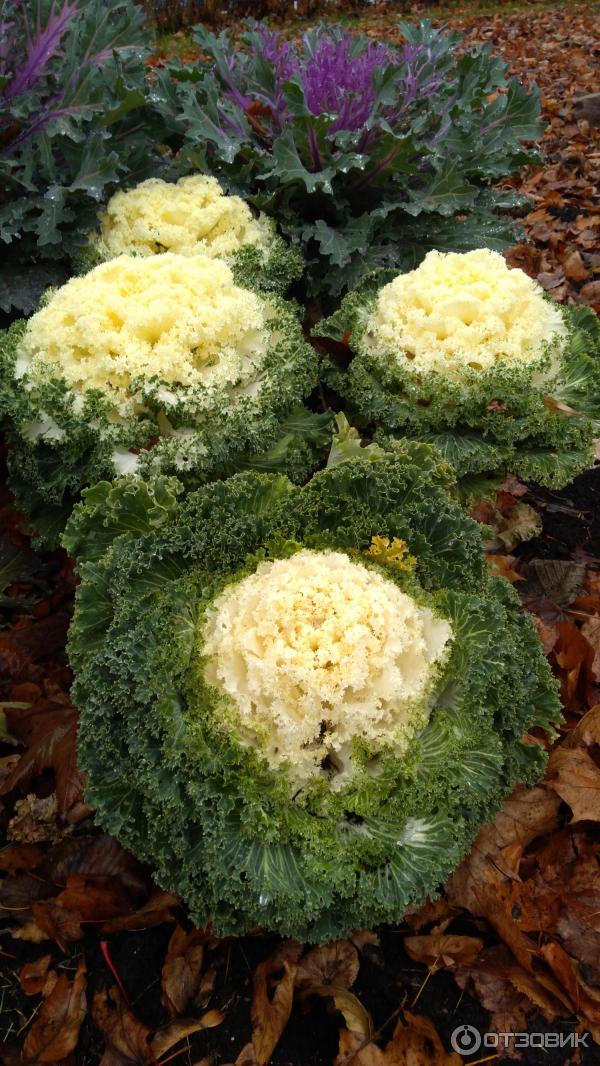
x=357 y=1018
x=21 y=858
x=559 y=580
x=182 y=969
x=591 y=631
x=125 y=1035
x=527 y=814
x=158 y=909
x=574 y=657
x=35 y=820
x=445 y=950
x=270 y=1014
x=55 y=1031
x=575 y=777
x=33 y=975
x=574 y=774
x=172 y=1034
x=415 y=1042
x=49 y=730
x=336 y=964
x=504 y=566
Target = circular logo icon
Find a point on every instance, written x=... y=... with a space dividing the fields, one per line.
x=466 y=1040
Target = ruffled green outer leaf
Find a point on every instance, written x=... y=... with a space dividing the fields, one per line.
x=169 y=778
x=500 y=423
x=58 y=448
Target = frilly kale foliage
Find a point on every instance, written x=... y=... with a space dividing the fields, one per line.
x=366 y=154
x=61 y=443
x=75 y=122
x=168 y=774
x=505 y=420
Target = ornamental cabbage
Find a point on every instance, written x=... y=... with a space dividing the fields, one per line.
x=76 y=122
x=299 y=704
x=472 y=356
x=367 y=154
x=194 y=217
x=154 y=364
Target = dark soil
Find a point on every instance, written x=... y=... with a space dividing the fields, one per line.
x=571 y=521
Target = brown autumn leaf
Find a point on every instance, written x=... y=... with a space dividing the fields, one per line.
x=55 y=1031
x=573 y=773
x=587 y=731
x=158 y=909
x=506 y=990
x=357 y=1018
x=270 y=1014
x=436 y=913
x=84 y=899
x=525 y=815
x=503 y=566
x=182 y=969
x=443 y=950
x=97 y=856
x=547 y=633
x=415 y=1042
x=127 y=1038
x=355 y=1051
x=581 y=943
x=56 y=923
x=575 y=777
x=585 y=999
x=482 y=882
x=94 y=898
x=575 y=268
x=365 y=938
x=21 y=858
x=591 y=631
x=590 y=293
x=560 y=580
x=171 y=1035
x=575 y=657
x=33 y=975
x=49 y=731
x=246 y=1056
x=336 y=963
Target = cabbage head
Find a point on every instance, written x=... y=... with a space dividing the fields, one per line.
x=472 y=356
x=146 y=365
x=194 y=216
x=300 y=703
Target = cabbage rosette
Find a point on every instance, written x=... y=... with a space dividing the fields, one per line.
x=150 y=365
x=472 y=356
x=299 y=704
x=194 y=216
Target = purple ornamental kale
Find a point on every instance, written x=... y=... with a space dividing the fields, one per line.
x=337 y=78
x=34 y=58
x=337 y=72
x=41 y=44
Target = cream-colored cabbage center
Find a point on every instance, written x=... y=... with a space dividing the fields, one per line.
x=182 y=320
x=191 y=217
x=316 y=650
x=461 y=311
